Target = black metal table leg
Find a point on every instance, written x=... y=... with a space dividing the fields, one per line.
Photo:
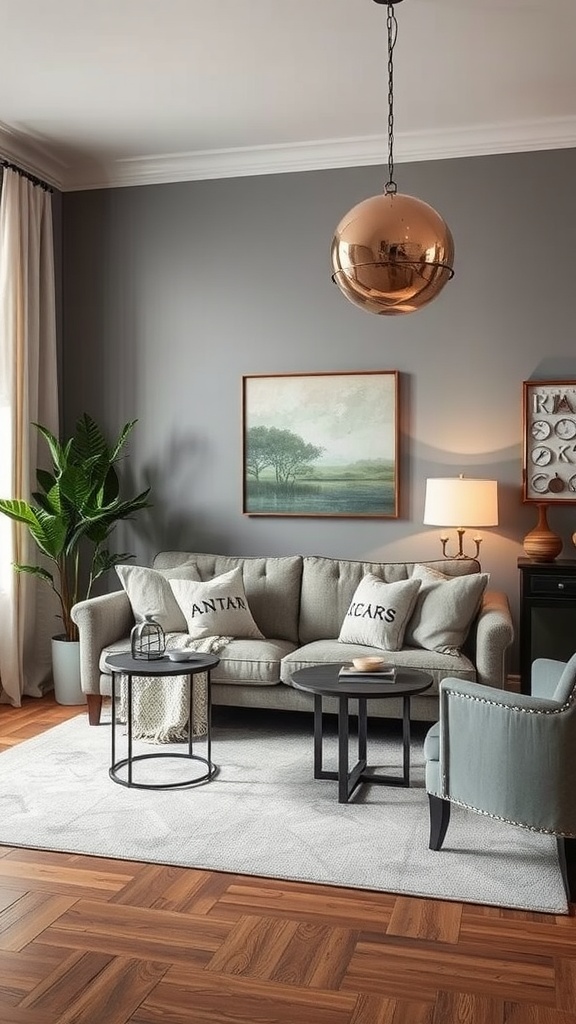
x=113 y=753
x=318 y=724
x=362 y=729
x=406 y=740
x=343 y=754
x=129 y=727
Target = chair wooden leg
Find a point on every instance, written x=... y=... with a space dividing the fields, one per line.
x=439 y=820
x=94 y=701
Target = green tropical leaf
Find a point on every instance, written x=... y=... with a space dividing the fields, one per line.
x=35 y=570
x=18 y=510
x=77 y=506
x=58 y=453
x=89 y=441
x=121 y=440
x=45 y=480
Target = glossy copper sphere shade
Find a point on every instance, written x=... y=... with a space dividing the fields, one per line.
x=392 y=254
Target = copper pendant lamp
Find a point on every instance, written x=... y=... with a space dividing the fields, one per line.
x=392 y=254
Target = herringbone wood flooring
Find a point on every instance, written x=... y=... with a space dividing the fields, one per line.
x=85 y=940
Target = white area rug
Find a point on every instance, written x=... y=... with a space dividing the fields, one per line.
x=264 y=814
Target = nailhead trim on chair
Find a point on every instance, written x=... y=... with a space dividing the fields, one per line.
x=514 y=707
x=509 y=821
x=526 y=711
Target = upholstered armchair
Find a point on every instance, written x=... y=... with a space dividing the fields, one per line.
x=508 y=755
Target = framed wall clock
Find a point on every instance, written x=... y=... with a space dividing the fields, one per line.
x=549 y=429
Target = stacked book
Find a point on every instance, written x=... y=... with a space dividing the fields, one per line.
x=386 y=673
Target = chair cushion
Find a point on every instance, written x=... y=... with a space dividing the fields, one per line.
x=432 y=743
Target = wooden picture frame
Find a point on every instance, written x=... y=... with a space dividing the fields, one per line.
x=320 y=444
x=549 y=431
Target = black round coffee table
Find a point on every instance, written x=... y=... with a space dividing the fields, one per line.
x=125 y=664
x=324 y=681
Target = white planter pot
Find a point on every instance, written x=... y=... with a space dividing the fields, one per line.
x=66 y=671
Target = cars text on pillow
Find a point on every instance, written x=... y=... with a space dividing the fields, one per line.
x=217 y=607
x=445 y=609
x=378 y=613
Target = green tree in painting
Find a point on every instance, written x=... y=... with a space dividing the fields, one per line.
x=286 y=453
x=257 y=451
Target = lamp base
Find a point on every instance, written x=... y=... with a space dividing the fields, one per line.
x=460 y=553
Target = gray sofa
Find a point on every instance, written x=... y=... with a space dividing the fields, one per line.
x=299 y=603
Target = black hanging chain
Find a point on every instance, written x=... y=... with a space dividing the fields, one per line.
x=392 y=30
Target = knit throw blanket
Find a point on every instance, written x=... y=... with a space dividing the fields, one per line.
x=161 y=704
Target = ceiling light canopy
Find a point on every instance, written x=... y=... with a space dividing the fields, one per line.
x=392 y=253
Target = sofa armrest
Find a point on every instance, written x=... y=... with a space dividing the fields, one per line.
x=494 y=634
x=101 y=621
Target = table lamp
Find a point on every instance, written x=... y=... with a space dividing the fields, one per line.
x=461 y=502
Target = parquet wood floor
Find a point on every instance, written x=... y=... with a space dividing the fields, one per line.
x=84 y=940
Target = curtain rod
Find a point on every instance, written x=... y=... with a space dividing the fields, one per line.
x=27 y=175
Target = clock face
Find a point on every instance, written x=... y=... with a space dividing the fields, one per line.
x=541 y=430
x=565 y=429
x=541 y=456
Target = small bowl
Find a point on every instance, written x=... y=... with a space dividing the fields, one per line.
x=368 y=664
x=180 y=655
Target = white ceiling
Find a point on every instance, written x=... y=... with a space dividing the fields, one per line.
x=118 y=92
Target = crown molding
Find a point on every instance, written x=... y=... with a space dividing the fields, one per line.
x=479 y=140
x=32 y=156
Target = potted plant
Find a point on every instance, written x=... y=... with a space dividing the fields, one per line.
x=74 y=512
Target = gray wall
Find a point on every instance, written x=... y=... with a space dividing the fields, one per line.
x=172 y=292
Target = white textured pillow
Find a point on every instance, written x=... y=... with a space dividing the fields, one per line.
x=378 y=613
x=218 y=607
x=149 y=593
x=445 y=609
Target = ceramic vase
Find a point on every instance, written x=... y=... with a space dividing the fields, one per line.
x=542 y=544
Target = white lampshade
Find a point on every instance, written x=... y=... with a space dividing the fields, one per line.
x=458 y=501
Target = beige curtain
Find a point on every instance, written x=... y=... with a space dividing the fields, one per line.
x=28 y=393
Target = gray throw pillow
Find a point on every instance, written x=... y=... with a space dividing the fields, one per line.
x=217 y=607
x=378 y=613
x=445 y=609
x=149 y=593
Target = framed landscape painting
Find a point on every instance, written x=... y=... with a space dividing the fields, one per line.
x=320 y=444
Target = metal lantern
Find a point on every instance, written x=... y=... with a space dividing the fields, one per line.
x=147 y=640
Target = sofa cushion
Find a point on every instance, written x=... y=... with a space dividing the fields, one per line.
x=321 y=616
x=253 y=662
x=272 y=586
x=322 y=652
x=378 y=613
x=217 y=607
x=445 y=609
x=149 y=592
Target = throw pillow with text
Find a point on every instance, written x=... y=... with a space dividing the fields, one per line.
x=378 y=613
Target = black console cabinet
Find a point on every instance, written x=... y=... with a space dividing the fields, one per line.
x=547 y=612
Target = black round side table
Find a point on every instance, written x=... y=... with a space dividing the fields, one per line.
x=163 y=668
